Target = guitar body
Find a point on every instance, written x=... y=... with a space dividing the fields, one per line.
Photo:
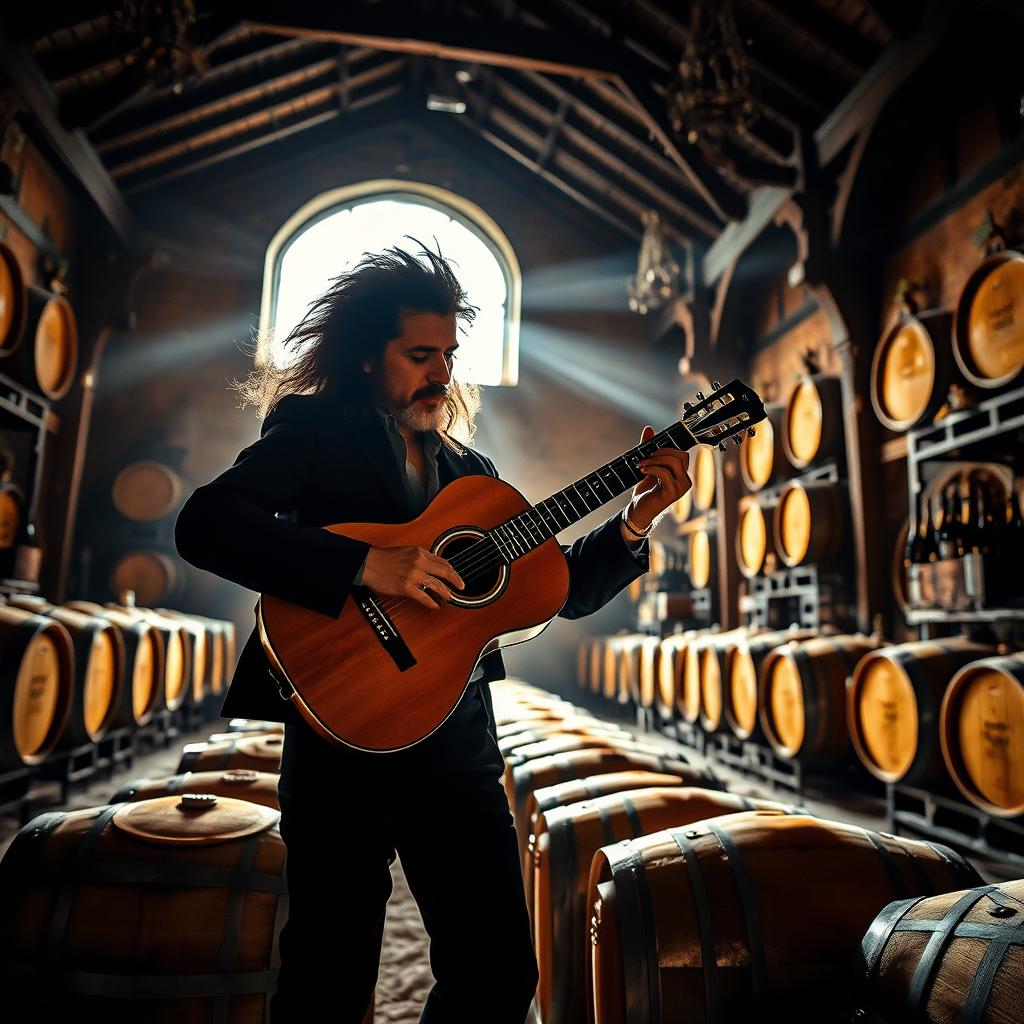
x=388 y=671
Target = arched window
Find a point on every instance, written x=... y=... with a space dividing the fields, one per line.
x=329 y=234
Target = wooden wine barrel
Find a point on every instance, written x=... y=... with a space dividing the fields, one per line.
x=145 y=659
x=99 y=694
x=954 y=958
x=670 y=666
x=562 y=744
x=152 y=575
x=808 y=523
x=158 y=911
x=700 y=559
x=564 y=842
x=910 y=370
x=583 y=649
x=218 y=646
x=813 y=421
x=612 y=686
x=702 y=472
x=763 y=457
x=688 y=678
x=788 y=896
x=744 y=656
x=257 y=753
x=522 y=781
x=177 y=653
x=682 y=507
x=254 y=725
x=146 y=491
x=13 y=301
x=636 y=669
x=710 y=653
x=526 y=724
x=237 y=783
x=988 y=337
x=981 y=729
x=37 y=666
x=651 y=651
x=893 y=706
x=802 y=695
x=48 y=354
x=197 y=636
x=579 y=726
x=755 y=538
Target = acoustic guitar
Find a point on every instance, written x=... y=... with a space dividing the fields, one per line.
x=387 y=671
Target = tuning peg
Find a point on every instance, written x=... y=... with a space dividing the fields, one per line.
x=700 y=396
x=721 y=446
x=716 y=385
x=751 y=431
x=737 y=439
x=687 y=406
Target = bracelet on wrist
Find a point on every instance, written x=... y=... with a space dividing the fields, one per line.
x=639 y=534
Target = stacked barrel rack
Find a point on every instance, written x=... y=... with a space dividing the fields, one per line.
x=916 y=713
x=87 y=685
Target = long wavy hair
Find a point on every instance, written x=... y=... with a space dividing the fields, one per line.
x=352 y=322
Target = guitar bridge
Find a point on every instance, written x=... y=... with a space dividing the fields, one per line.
x=383 y=628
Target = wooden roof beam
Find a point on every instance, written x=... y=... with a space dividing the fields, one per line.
x=856 y=113
x=71 y=148
x=848 y=51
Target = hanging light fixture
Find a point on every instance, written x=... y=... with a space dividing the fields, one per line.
x=657 y=273
x=160 y=39
x=710 y=96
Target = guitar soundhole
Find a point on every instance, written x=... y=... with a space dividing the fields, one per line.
x=479 y=569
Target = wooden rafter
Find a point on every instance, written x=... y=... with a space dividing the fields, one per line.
x=72 y=149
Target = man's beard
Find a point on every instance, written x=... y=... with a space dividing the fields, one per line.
x=421 y=418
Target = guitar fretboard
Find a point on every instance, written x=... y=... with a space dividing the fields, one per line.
x=528 y=530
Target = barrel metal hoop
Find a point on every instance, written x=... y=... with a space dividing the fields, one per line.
x=169 y=873
x=942 y=935
x=225 y=761
x=639 y=937
x=889 y=862
x=232 y=927
x=705 y=923
x=877 y=936
x=927 y=709
x=977 y=996
x=961 y=867
x=809 y=686
x=926 y=884
x=562 y=847
x=634 y=818
x=745 y=888
x=66 y=895
x=142 y=986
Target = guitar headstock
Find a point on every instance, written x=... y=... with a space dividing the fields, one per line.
x=731 y=410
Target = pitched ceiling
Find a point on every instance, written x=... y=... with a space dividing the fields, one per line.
x=572 y=89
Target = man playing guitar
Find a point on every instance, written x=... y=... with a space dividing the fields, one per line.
x=360 y=429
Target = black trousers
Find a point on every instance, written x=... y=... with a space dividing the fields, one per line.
x=441 y=807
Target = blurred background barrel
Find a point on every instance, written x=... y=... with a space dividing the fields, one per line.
x=893 y=706
x=989 y=326
x=911 y=369
x=802 y=695
x=813 y=421
x=981 y=729
x=763 y=456
x=808 y=523
x=37 y=665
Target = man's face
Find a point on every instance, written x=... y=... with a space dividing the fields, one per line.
x=412 y=378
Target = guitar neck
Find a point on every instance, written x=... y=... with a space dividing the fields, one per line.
x=528 y=530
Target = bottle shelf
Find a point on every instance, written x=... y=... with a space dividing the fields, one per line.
x=986 y=421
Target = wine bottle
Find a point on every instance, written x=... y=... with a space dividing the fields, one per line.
x=28 y=554
x=980 y=541
x=929 y=537
x=1014 y=544
x=915 y=535
x=12 y=508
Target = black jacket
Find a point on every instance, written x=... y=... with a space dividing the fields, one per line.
x=259 y=523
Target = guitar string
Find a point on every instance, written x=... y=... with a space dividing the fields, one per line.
x=485 y=561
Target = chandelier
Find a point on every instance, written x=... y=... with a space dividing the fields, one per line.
x=657 y=273
x=710 y=97
x=160 y=39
